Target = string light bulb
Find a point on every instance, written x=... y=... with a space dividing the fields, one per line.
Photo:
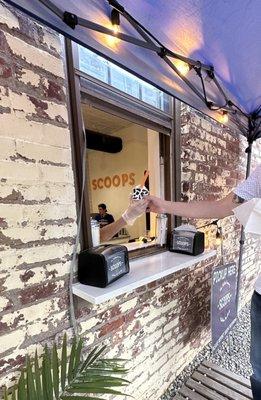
x=115 y=20
x=182 y=67
x=224 y=117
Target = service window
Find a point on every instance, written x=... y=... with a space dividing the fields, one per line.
x=119 y=153
x=128 y=125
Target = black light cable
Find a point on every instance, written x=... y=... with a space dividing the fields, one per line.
x=219 y=234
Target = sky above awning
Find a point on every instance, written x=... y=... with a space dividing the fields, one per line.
x=223 y=33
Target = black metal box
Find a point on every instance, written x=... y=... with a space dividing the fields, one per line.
x=187 y=242
x=102 y=265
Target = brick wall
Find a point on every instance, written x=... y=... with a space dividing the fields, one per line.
x=213 y=162
x=37 y=195
x=159 y=327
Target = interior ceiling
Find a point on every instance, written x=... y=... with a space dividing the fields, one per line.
x=100 y=121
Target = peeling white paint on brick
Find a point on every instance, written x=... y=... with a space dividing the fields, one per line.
x=29 y=77
x=3 y=302
x=9 y=258
x=11 y=340
x=89 y=324
x=53 y=41
x=7 y=148
x=35 y=56
x=43 y=152
x=34 y=131
x=8 y=18
x=24 y=107
x=128 y=305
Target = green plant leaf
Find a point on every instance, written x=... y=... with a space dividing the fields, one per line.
x=55 y=365
x=47 y=376
x=96 y=390
x=68 y=397
x=71 y=361
x=105 y=371
x=94 y=354
x=5 y=394
x=37 y=378
x=77 y=357
x=31 y=392
x=103 y=378
x=22 y=387
x=13 y=394
x=114 y=360
x=64 y=362
x=97 y=384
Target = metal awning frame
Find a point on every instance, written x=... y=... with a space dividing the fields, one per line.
x=249 y=125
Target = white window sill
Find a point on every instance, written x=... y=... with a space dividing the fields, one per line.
x=142 y=271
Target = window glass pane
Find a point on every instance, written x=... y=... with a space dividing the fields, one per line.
x=93 y=65
x=107 y=72
x=123 y=81
x=150 y=95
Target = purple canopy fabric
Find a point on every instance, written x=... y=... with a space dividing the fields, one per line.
x=223 y=33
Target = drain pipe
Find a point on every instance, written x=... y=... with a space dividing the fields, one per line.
x=242 y=234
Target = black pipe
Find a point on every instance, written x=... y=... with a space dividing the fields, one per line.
x=242 y=234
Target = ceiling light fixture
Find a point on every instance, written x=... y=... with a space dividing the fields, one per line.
x=182 y=67
x=224 y=117
x=115 y=20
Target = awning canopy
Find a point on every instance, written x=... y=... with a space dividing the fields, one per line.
x=155 y=35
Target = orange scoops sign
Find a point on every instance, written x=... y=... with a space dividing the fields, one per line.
x=121 y=180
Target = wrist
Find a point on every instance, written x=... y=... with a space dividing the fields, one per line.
x=167 y=207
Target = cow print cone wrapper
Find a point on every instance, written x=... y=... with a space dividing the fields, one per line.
x=139 y=192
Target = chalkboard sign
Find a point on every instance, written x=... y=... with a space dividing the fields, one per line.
x=223 y=301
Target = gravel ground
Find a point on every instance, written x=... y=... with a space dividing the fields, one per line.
x=233 y=354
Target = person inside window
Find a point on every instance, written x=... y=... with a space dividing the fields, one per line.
x=103 y=217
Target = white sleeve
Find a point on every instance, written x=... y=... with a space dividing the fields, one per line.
x=251 y=187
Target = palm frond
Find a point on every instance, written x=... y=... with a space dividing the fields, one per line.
x=69 y=377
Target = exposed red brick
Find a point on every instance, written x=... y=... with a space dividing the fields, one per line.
x=152 y=285
x=4 y=47
x=111 y=326
x=110 y=314
x=39 y=104
x=39 y=292
x=54 y=91
x=5 y=69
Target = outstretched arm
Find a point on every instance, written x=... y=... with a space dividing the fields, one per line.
x=135 y=209
x=108 y=231
x=196 y=209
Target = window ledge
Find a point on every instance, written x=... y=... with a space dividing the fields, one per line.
x=142 y=272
